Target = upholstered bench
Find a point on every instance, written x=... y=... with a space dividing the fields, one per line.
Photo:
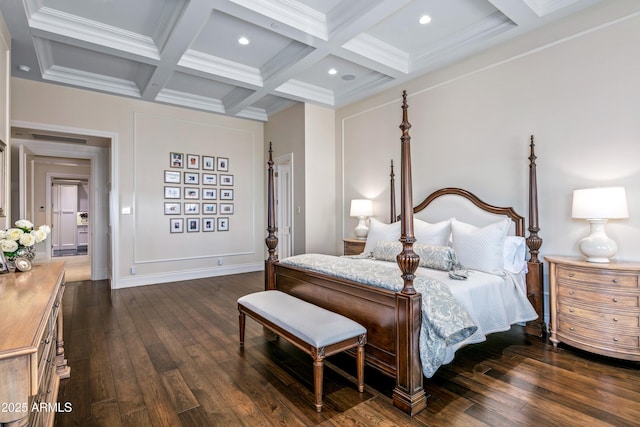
x=314 y=330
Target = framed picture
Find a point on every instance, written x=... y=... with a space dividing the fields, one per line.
x=193 y=225
x=171 y=192
x=4 y=268
x=192 y=178
x=209 y=209
x=176 y=225
x=208 y=163
x=226 y=208
x=208 y=224
x=226 y=179
x=171 y=208
x=176 y=160
x=193 y=161
x=226 y=194
x=223 y=224
x=172 y=177
x=191 y=208
x=209 y=179
x=223 y=164
x=209 y=193
x=192 y=193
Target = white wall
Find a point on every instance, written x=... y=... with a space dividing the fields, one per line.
x=320 y=179
x=143 y=135
x=5 y=131
x=575 y=86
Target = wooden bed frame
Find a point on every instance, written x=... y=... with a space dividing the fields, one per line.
x=393 y=319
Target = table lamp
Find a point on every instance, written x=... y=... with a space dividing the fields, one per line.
x=597 y=206
x=361 y=208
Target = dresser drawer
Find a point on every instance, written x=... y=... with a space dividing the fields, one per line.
x=606 y=318
x=611 y=279
x=566 y=294
x=613 y=340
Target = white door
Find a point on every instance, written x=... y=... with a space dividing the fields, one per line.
x=64 y=217
x=284 y=205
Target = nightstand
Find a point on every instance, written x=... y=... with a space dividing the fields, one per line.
x=595 y=307
x=353 y=246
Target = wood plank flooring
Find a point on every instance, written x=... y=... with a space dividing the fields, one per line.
x=168 y=355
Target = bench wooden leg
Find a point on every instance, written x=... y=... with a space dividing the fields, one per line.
x=360 y=366
x=241 y=322
x=318 y=372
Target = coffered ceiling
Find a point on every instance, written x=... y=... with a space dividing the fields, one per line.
x=187 y=52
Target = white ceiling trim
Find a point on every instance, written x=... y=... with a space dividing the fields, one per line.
x=214 y=65
x=544 y=7
x=85 y=79
x=253 y=113
x=199 y=102
x=304 y=90
x=379 y=51
x=72 y=26
x=291 y=13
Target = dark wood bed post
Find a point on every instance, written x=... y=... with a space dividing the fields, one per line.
x=409 y=394
x=271 y=240
x=536 y=267
x=392 y=190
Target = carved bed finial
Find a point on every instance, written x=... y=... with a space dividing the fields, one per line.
x=271 y=240
x=392 y=189
x=407 y=259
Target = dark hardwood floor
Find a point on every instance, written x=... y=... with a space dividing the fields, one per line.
x=168 y=355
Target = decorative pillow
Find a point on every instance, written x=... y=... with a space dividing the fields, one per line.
x=515 y=254
x=431 y=256
x=480 y=248
x=379 y=231
x=434 y=234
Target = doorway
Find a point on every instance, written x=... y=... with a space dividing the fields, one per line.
x=69 y=216
x=59 y=146
x=284 y=204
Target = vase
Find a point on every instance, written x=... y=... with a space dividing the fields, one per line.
x=27 y=252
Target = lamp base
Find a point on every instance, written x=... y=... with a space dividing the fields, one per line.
x=597 y=246
x=361 y=229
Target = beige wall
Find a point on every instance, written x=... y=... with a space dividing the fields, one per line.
x=144 y=134
x=286 y=130
x=472 y=122
x=5 y=94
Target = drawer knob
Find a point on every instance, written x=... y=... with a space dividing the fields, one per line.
x=570 y=292
x=614 y=299
x=571 y=328
x=615 y=339
x=615 y=319
x=570 y=274
x=615 y=280
x=571 y=310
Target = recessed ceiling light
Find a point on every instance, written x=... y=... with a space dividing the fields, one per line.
x=333 y=71
x=243 y=41
x=424 y=19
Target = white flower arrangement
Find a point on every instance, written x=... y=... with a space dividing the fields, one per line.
x=14 y=241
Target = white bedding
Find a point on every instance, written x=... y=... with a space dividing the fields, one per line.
x=493 y=302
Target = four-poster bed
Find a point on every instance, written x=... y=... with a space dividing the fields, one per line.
x=393 y=317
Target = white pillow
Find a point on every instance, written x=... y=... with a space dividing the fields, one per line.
x=515 y=254
x=379 y=231
x=432 y=234
x=480 y=248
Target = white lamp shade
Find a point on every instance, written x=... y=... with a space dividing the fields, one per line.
x=600 y=203
x=361 y=207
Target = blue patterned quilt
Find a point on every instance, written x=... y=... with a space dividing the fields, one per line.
x=444 y=321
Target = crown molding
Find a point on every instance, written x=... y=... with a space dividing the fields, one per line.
x=183 y=99
x=379 y=51
x=210 y=64
x=304 y=90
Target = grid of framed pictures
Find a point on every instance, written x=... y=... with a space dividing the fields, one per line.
x=198 y=193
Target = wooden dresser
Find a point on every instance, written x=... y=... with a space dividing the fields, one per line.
x=595 y=307
x=32 y=358
x=353 y=246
